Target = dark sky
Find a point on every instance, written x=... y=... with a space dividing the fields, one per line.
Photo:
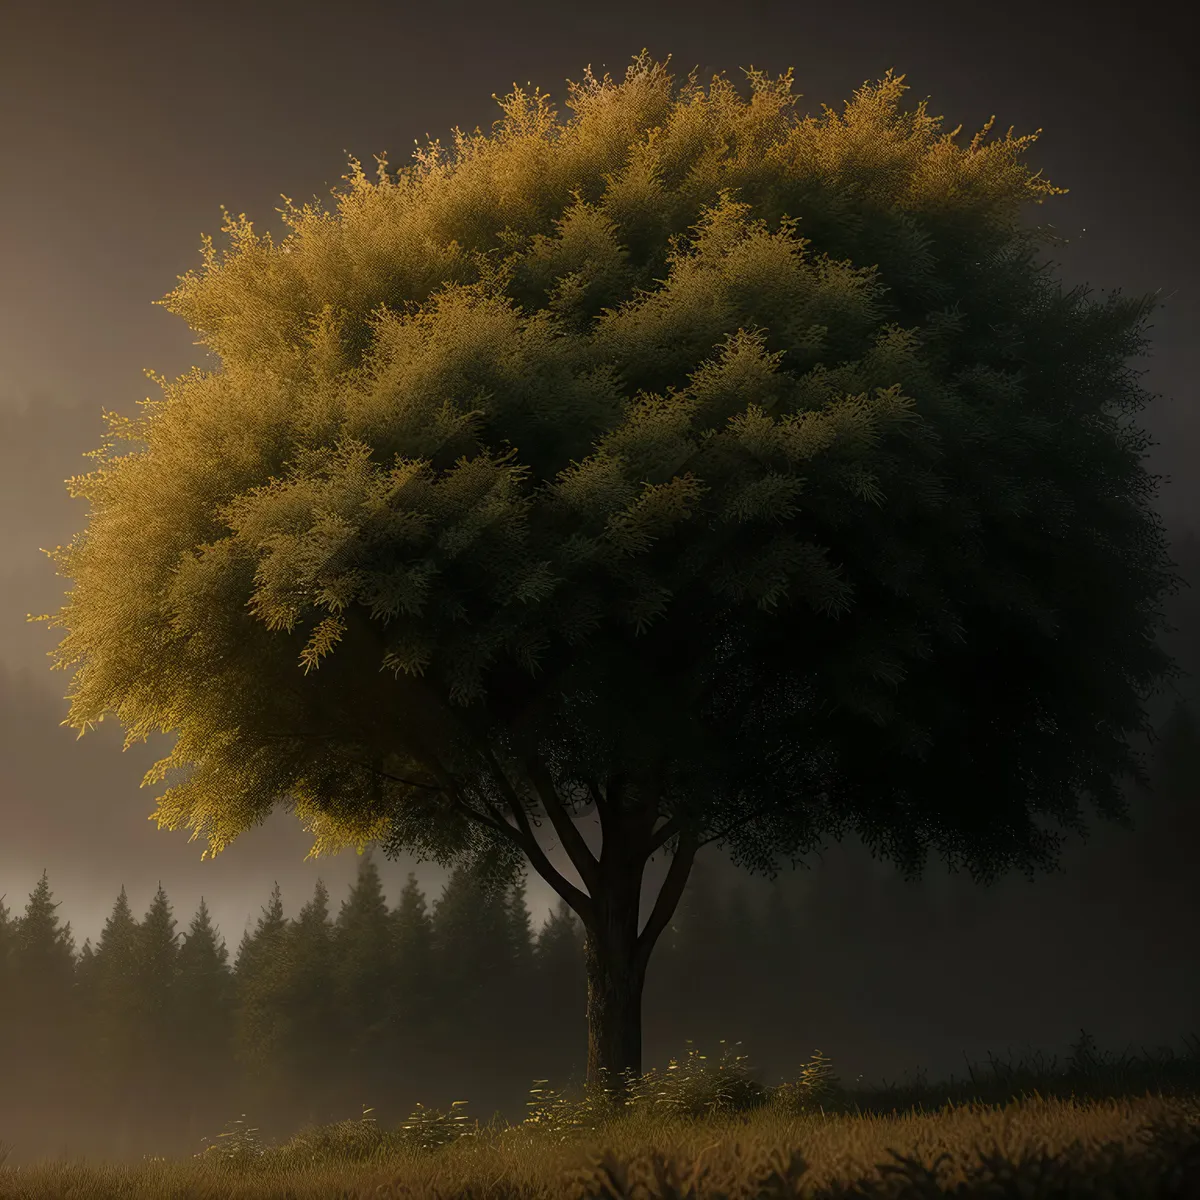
x=124 y=127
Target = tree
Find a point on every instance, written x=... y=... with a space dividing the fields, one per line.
x=43 y=953
x=743 y=479
x=308 y=1015
x=561 y=995
x=414 y=1001
x=157 y=970
x=203 y=1015
x=41 y=1008
x=413 y=939
x=266 y=939
x=85 y=961
x=520 y=930
x=8 y=937
x=110 y=987
x=364 y=975
x=470 y=939
x=258 y=982
x=512 y=1001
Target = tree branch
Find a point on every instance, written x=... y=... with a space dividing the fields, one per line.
x=433 y=721
x=668 y=897
x=495 y=822
x=599 y=801
x=450 y=788
x=581 y=902
x=742 y=820
x=664 y=833
x=429 y=787
x=582 y=858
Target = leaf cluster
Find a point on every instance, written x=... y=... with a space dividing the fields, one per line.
x=752 y=460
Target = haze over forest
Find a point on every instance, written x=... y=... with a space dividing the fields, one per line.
x=115 y=167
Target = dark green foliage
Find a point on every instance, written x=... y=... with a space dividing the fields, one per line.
x=204 y=977
x=301 y=1073
x=471 y=933
x=203 y=1016
x=836 y=454
x=157 y=966
x=8 y=937
x=43 y=964
x=41 y=999
x=259 y=946
x=43 y=952
x=415 y=995
x=520 y=931
x=363 y=981
x=110 y=986
x=261 y=982
x=307 y=1016
x=559 y=1003
x=747 y=479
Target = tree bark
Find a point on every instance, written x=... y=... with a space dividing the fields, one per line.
x=615 y=953
x=615 y=975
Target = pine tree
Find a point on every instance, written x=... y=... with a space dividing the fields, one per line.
x=42 y=1015
x=8 y=937
x=258 y=977
x=520 y=926
x=157 y=971
x=560 y=997
x=690 y=979
x=514 y=1012
x=462 y=952
x=44 y=948
x=365 y=986
x=8 y=933
x=84 y=964
x=157 y=966
x=414 y=991
x=308 y=1015
x=109 y=987
x=265 y=940
x=203 y=1018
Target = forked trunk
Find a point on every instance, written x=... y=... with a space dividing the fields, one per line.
x=616 y=964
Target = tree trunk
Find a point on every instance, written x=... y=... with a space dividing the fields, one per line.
x=614 y=979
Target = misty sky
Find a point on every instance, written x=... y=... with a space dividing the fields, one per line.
x=124 y=127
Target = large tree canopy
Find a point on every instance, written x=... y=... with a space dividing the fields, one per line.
x=742 y=477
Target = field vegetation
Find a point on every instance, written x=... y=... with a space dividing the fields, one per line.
x=1094 y=1126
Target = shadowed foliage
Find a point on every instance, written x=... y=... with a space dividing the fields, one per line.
x=742 y=478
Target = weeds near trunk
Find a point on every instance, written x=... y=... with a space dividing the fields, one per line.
x=709 y=1129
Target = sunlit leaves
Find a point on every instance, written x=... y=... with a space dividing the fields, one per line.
x=675 y=436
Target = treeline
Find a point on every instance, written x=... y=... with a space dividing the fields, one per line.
x=157 y=1035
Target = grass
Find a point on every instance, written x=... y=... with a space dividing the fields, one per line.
x=702 y=1130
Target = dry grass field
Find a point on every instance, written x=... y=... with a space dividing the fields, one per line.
x=705 y=1131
